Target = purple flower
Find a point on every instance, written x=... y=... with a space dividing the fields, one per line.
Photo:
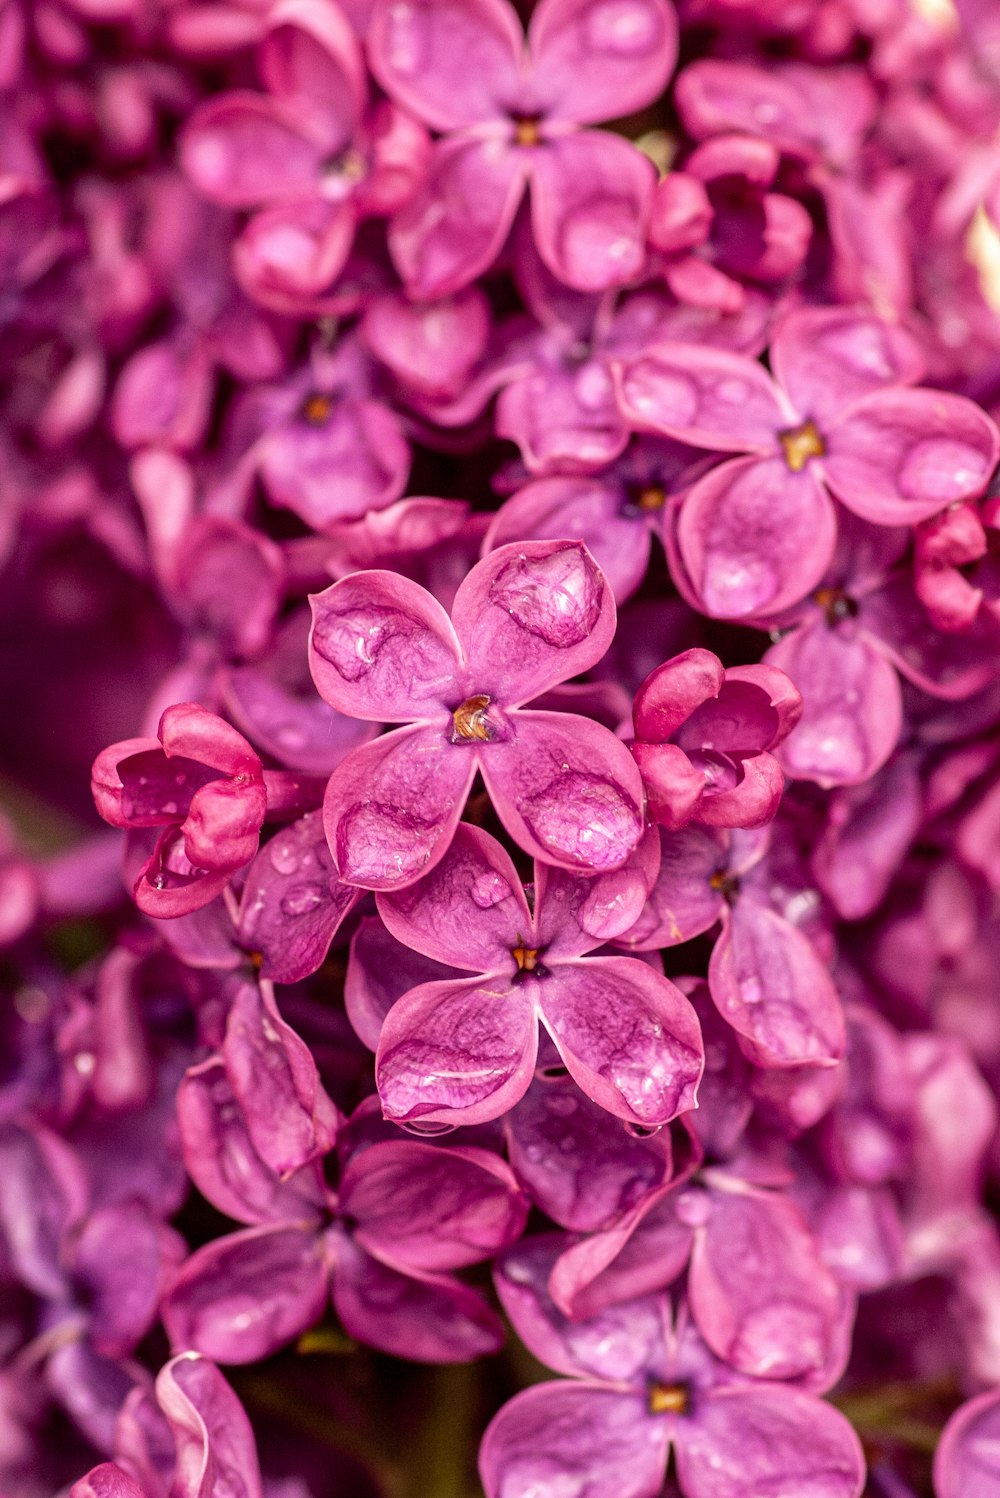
x=524 y=619
x=511 y=111
x=757 y=533
x=702 y=736
x=463 y=1051
x=644 y=1386
x=967 y=1460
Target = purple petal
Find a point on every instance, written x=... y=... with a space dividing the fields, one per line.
x=293 y=903
x=967 y=1461
x=338 y=467
x=121 y=1257
x=868 y=832
x=566 y=790
x=379 y=971
x=852 y=711
x=705 y=396
x=43 y=1194
x=563 y=417
x=683 y=902
x=532 y=615
x=574 y=1438
x=271 y=1070
x=768 y=982
x=590 y=197
x=768 y=1439
x=392 y=806
x=456 y=1053
x=106 y=1481
x=425 y=1207
x=629 y=1038
x=290 y=253
x=827 y=357
x=575 y=913
x=899 y=456
x=310 y=58
x=425 y=1318
x=215 y=1445
x=241 y=149
x=600 y=60
x=942 y=664
x=452 y=62
x=469 y=911
x=755 y=538
x=240 y=1298
x=642 y=1252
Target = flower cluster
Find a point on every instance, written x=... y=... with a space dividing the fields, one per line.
x=500 y=514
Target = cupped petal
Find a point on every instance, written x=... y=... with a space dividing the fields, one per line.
x=590 y=198
x=240 y=1298
x=828 y=357
x=597 y=60
x=575 y=913
x=899 y=456
x=752 y=802
x=292 y=902
x=309 y=56
x=672 y=692
x=583 y=1438
x=769 y=983
x=379 y=971
x=706 y=396
x=469 y=911
x=768 y=1440
x=563 y=417
x=628 y=1036
x=190 y=731
x=455 y=227
x=452 y=62
x=222 y=827
x=392 y=806
x=852 y=711
x=425 y=1318
x=967 y=1461
x=271 y=1069
x=382 y=648
x=754 y=537
x=590 y=510
x=531 y=615
x=426 y=1207
x=215 y=1451
x=684 y=901
x=293 y=251
x=114 y=801
x=456 y=1053
x=242 y=149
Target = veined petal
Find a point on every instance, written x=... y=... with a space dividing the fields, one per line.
x=213 y=1438
x=706 y=396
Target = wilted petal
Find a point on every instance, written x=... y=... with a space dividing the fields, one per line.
x=768 y=1439
x=452 y=62
x=705 y=396
x=567 y=791
x=770 y=985
x=590 y=196
x=574 y=1438
x=392 y=806
x=628 y=1036
x=599 y=60
x=426 y=1318
x=382 y=648
x=755 y=538
x=899 y=456
x=469 y=911
x=456 y=1053
x=215 y=1445
x=240 y=1298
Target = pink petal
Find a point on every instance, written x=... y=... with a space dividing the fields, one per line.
x=392 y=806
x=241 y=149
x=898 y=456
x=294 y=250
x=644 y=1251
x=575 y=913
x=355 y=460
x=382 y=648
x=379 y=971
x=671 y=693
x=455 y=227
x=563 y=417
x=629 y=1038
x=706 y=396
x=310 y=58
x=967 y=1461
x=240 y=1298
x=469 y=911
x=755 y=538
x=532 y=615
x=213 y=1438
x=827 y=357
x=189 y=730
x=457 y=1053
x=683 y=902
x=770 y=1438
x=567 y=791
x=600 y=59
x=590 y=197
x=452 y=62
x=106 y=1481
x=769 y=983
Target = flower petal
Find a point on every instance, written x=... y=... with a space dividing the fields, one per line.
x=452 y=62
x=242 y=149
x=827 y=357
x=379 y=971
x=213 y=1439
x=601 y=59
x=706 y=396
x=683 y=902
x=590 y=197
x=967 y=1461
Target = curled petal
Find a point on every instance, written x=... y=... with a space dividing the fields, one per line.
x=672 y=692
x=213 y=1439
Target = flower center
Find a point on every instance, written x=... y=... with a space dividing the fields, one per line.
x=350 y=165
x=800 y=444
x=836 y=604
x=527 y=130
x=667 y=1399
x=316 y=409
x=470 y=721
x=650 y=498
x=525 y=957
x=725 y=884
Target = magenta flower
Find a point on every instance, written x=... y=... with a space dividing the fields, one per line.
x=199 y=781
x=309 y=153
x=757 y=533
x=643 y=1386
x=967 y=1460
x=464 y=1050
x=511 y=111
x=524 y=619
x=702 y=736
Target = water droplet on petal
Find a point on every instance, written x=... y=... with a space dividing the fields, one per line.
x=301 y=898
x=489 y=889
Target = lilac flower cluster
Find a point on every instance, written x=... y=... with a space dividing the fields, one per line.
x=501 y=498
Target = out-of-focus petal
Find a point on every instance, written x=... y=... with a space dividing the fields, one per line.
x=599 y=59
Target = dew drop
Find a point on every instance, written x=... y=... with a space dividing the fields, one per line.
x=301 y=899
x=489 y=889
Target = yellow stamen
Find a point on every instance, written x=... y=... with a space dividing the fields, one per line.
x=470 y=719
x=668 y=1399
x=800 y=444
